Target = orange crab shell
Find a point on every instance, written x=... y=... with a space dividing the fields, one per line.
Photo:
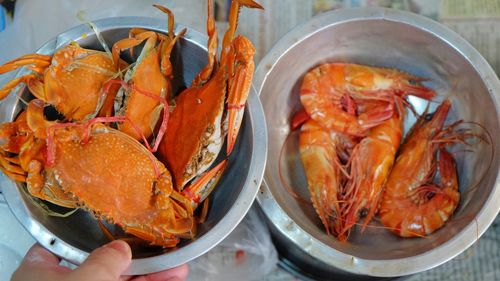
x=140 y=109
x=191 y=127
x=77 y=70
x=118 y=179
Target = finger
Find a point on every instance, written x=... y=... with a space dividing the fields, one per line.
x=175 y=274
x=105 y=263
x=38 y=255
x=39 y=264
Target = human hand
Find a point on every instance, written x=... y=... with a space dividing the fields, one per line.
x=106 y=263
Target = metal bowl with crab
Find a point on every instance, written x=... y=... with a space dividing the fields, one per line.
x=73 y=236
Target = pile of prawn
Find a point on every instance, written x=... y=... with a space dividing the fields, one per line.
x=356 y=162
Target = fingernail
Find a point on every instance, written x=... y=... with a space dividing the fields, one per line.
x=120 y=246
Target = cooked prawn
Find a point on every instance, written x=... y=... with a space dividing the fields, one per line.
x=371 y=162
x=333 y=95
x=322 y=165
x=412 y=205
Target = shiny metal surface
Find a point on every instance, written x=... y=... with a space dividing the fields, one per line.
x=302 y=265
x=388 y=38
x=74 y=237
x=11 y=254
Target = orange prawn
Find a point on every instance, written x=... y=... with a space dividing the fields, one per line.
x=412 y=205
x=333 y=94
x=322 y=164
x=371 y=163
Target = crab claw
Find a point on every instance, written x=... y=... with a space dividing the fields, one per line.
x=241 y=71
x=35 y=116
x=233 y=22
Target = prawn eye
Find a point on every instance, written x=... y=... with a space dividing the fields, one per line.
x=363 y=212
x=430 y=195
x=428 y=116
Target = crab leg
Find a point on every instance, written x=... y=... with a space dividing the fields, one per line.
x=31 y=56
x=166 y=50
x=5 y=90
x=202 y=186
x=171 y=221
x=134 y=32
x=12 y=170
x=154 y=240
x=167 y=43
x=38 y=60
x=128 y=43
x=241 y=60
x=205 y=74
x=170 y=19
x=13 y=160
x=164 y=38
x=168 y=219
x=15 y=177
x=233 y=23
x=38 y=187
x=35 y=180
x=35 y=62
x=38 y=64
x=238 y=55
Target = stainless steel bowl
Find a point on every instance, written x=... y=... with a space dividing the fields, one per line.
x=388 y=38
x=74 y=237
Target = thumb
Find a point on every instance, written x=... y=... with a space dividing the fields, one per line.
x=105 y=263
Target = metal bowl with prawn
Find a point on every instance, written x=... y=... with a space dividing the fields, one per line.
x=390 y=39
x=75 y=236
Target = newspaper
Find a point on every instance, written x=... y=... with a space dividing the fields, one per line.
x=468 y=9
x=478 y=21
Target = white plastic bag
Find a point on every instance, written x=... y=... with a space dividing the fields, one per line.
x=246 y=254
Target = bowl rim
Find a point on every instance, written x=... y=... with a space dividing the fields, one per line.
x=200 y=245
x=332 y=257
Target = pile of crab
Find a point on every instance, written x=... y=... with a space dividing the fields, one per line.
x=127 y=149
